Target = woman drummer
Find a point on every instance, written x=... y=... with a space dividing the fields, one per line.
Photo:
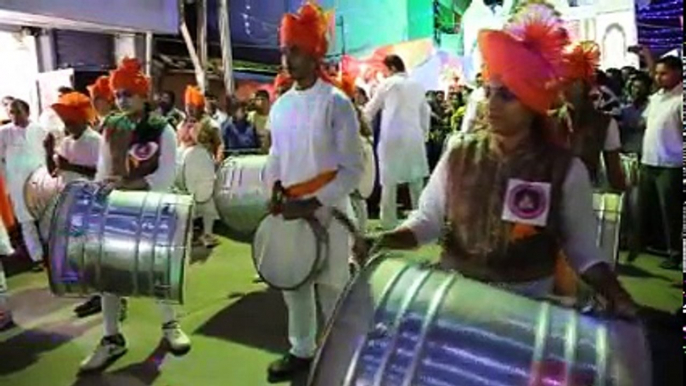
x=473 y=199
x=150 y=157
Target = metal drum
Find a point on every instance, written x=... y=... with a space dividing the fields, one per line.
x=126 y=243
x=41 y=190
x=242 y=194
x=608 y=208
x=400 y=324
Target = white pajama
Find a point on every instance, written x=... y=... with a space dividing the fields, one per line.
x=389 y=202
x=314 y=131
x=161 y=180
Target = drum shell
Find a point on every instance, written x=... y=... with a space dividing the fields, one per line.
x=455 y=331
x=608 y=208
x=126 y=243
x=40 y=189
x=242 y=195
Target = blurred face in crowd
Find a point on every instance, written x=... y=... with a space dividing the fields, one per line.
x=579 y=94
x=165 y=102
x=19 y=114
x=639 y=90
x=211 y=105
x=240 y=113
x=75 y=129
x=195 y=111
x=479 y=80
x=101 y=106
x=129 y=103
x=506 y=114
x=298 y=64
x=360 y=98
x=627 y=73
x=261 y=103
x=666 y=77
x=440 y=97
x=6 y=101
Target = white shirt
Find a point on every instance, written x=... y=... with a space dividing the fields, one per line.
x=83 y=152
x=21 y=153
x=578 y=218
x=663 y=138
x=470 y=114
x=405 y=125
x=220 y=118
x=162 y=180
x=314 y=131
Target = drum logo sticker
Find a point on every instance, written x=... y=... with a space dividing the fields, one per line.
x=527 y=202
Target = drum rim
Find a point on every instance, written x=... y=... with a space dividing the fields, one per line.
x=316 y=267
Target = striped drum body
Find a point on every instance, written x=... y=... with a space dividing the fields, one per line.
x=126 y=243
x=402 y=324
x=242 y=195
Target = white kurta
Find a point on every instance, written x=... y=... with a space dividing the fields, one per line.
x=21 y=152
x=578 y=220
x=405 y=125
x=663 y=139
x=82 y=152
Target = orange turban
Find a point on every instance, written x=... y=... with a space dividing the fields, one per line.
x=194 y=97
x=307 y=30
x=527 y=56
x=128 y=76
x=582 y=59
x=101 y=89
x=346 y=83
x=74 y=107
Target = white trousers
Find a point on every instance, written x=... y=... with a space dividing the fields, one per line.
x=361 y=214
x=324 y=289
x=111 y=305
x=32 y=240
x=389 y=202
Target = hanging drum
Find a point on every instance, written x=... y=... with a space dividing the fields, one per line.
x=196 y=174
x=130 y=243
x=401 y=324
x=242 y=195
x=41 y=190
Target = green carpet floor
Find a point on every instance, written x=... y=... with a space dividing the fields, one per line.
x=237 y=328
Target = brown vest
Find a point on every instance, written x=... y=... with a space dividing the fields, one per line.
x=477 y=242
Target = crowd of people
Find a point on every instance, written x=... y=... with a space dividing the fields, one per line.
x=510 y=184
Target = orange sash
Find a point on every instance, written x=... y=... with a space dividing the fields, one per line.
x=311 y=186
x=566 y=280
x=6 y=212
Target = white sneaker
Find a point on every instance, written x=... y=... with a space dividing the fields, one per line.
x=6 y=320
x=109 y=350
x=179 y=343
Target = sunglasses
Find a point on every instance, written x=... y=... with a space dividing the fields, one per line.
x=500 y=92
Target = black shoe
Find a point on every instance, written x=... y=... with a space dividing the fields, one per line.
x=631 y=257
x=287 y=368
x=123 y=310
x=672 y=265
x=90 y=307
x=38 y=266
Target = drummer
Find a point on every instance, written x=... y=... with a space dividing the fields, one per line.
x=21 y=153
x=505 y=200
x=131 y=88
x=328 y=168
x=195 y=112
x=102 y=98
x=591 y=133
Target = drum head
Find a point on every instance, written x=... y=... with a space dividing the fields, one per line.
x=197 y=177
x=286 y=254
x=369 y=175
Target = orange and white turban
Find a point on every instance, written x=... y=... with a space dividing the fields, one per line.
x=129 y=76
x=75 y=108
x=527 y=56
x=582 y=60
x=307 y=30
x=101 y=89
x=194 y=97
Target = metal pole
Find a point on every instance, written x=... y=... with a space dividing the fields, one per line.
x=149 y=47
x=225 y=40
x=199 y=71
x=202 y=38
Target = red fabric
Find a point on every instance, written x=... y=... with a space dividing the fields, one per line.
x=307 y=30
x=101 y=89
x=6 y=212
x=74 y=107
x=128 y=76
x=582 y=59
x=194 y=97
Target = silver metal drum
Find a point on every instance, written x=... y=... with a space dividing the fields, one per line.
x=242 y=194
x=401 y=324
x=126 y=243
x=608 y=208
x=41 y=190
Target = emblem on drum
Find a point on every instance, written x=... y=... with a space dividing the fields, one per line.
x=527 y=202
x=143 y=152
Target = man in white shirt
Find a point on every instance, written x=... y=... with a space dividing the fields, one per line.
x=315 y=148
x=21 y=153
x=214 y=111
x=405 y=125
x=662 y=158
x=155 y=173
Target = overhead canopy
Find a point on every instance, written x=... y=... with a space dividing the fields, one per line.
x=158 y=16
